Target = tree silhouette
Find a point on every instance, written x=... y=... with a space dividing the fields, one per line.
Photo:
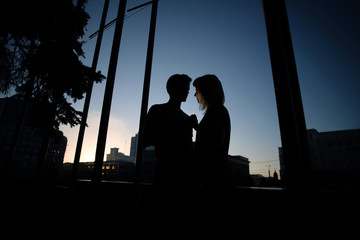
x=40 y=55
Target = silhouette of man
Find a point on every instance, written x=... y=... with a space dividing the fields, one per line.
x=169 y=130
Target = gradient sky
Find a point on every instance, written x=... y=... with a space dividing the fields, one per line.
x=228 y=38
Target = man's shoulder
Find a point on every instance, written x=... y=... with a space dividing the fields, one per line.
x=157 y=107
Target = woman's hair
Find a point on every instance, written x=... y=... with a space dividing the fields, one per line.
x=211 y=89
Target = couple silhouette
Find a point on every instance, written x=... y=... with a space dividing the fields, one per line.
x=192 y=184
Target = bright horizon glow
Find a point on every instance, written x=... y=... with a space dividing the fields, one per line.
x=116 y=128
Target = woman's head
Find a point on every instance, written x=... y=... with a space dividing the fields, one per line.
x=209 y=91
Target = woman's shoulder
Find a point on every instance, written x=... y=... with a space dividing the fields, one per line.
x=219 y=110
x=217 y=114
x=224 y=110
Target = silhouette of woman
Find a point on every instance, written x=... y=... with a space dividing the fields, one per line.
x=211 y=152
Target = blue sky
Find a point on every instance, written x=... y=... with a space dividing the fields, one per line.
x=228 y=38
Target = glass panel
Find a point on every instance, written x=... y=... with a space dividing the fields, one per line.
x=325 y=38
x=228 y=40
x=119 y=161
x=193 y=38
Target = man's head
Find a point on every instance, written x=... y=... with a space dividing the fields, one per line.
x=178 y=87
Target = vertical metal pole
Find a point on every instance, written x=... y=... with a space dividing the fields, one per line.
x=88 y=93
x=105 y=114
x=288 y=97
x=146 y=87
x=144 y=107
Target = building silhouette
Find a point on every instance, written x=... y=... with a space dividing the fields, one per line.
x=27 y=153
x=133 y=146
x=335 y=159
x=239 y=166
x=115 y=155
x=116 y=167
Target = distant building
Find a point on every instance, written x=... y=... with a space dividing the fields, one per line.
x=117 y=167
x=55 y=155
x=118 y=171
x=133 y=146
x=239 y=166
x=111 y=171
x=24 y=162
x=115 y=155
x=335 y=159
x=256 y=179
